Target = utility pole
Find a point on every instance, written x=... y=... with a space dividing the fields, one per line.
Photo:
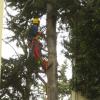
x=1 y=27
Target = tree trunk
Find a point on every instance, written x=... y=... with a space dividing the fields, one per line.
x=1 y=27
x=52 y=56
x=26 y=93
x=26 y=90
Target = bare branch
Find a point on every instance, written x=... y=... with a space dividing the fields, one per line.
x=42 y=79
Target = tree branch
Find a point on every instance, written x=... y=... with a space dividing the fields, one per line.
x=42 y=79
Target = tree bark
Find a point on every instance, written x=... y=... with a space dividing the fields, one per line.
x=52 y=56
x=26 y=91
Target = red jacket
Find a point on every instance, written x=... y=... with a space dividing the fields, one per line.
x=37 y=46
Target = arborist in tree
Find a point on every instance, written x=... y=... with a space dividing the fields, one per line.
x=32 y=33
x=35 y=46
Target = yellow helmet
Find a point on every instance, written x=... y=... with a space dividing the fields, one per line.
x=36 y=21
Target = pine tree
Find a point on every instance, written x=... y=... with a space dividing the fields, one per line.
x=19 y=24
x=84 y=49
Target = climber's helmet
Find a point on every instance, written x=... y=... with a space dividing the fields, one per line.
x=36 y=21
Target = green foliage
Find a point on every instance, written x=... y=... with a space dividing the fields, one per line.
x=34 y=7
x=84 y=49
x=21 y=73
x=17 y=74
x=64 y=87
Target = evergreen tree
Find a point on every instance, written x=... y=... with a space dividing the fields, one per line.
x=20 y=23
x=84 y=48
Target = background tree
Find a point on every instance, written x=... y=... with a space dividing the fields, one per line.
x=84 y=48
